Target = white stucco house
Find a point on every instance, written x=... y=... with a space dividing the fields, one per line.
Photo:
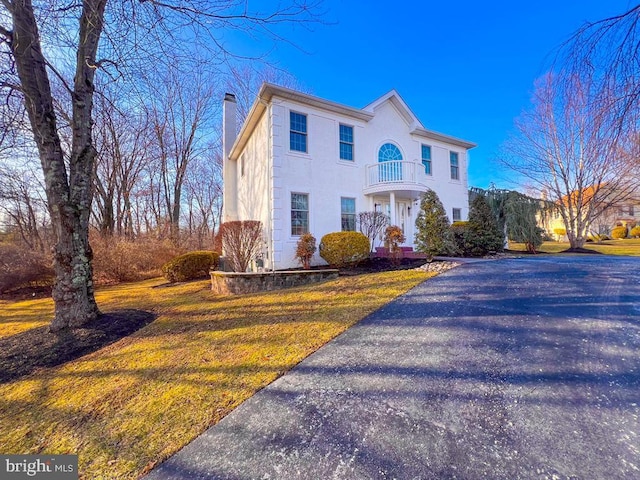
x=305 y=164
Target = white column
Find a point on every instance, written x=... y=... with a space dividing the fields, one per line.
x=392 y=207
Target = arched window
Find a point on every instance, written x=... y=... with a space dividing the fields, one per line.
x=390 y=172
x=389 y=152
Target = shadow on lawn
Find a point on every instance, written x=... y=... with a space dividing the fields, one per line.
x=25 y=352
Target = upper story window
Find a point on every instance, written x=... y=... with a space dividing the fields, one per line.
x=299 y=214
x=348 y=214
x=389 y=170
x=346 y=142
x=426 y=159
x=455 y=166
x=298 y=132
x=457 y=214
x=389 y=152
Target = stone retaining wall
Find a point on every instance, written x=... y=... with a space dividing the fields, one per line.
x=237 y=283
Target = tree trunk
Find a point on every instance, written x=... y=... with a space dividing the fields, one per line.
x=73 y=291
x=69 y=196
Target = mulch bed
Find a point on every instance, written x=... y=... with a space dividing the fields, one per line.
x=580 y=250
x=25 y=352
x=380 y=264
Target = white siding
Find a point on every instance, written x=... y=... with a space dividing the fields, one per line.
x=325 y=178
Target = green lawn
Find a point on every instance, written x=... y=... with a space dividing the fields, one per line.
x=132 y=404
x=628 y=246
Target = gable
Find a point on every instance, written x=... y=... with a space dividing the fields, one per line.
x=394 y=99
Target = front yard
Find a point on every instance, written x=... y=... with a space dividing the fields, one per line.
x=133 y=403
x=628 y=246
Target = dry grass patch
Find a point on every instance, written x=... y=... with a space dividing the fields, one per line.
x=131 y=404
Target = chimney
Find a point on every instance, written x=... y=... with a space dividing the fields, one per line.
x=229 y=109
x=229 y=167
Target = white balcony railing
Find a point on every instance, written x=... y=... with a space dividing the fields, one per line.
x=391 y=172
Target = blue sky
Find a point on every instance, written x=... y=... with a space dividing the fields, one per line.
x=466 y=68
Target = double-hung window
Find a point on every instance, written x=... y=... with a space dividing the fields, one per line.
x=299 y=214
x=346 y=142
x=348 y=214
x=457 y=214
x=426 y=159
x=298 y=132
x=455 y=167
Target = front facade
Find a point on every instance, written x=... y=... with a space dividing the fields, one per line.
x=304 y=164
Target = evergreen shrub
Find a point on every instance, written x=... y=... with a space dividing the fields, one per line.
x=190 y=266
x=344 y=248
x=457 y=232
x=482 y=234
x=433 y=235
x=619 y=232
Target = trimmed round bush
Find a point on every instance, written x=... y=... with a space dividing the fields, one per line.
x=344 y=248
x=635 y=232
x=190 y=266
x=619 y=232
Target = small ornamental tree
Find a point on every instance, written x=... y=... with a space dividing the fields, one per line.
x=305 y=249
x=482 y=234
x=433 y=235
x=393 y=237
x=371 y=225
x=240 y=242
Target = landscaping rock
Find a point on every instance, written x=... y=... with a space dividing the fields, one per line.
x=438 y=267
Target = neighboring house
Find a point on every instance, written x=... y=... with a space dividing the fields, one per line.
x=622 y=209
x=304 y=164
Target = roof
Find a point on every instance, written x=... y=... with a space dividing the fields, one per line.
x=269 y=90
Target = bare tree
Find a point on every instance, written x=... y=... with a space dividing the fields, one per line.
x=72 y=34
x=607 y=53
x=122 y=140
x=371 y=225
x=204 y=196
x=179 y=116
x=568 y=146
x=21 y=202
x=245 y=82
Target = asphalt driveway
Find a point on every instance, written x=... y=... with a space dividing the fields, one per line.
x=512 y=369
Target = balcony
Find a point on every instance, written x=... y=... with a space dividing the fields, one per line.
x=393 y=175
